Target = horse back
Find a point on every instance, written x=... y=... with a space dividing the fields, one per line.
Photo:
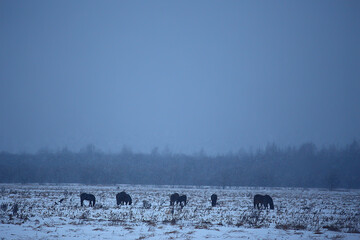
x=174 y=196
x=258 y=198
x=213 y=197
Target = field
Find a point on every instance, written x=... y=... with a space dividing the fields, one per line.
x=298 y=213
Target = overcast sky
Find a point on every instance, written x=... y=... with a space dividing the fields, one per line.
x=189 y=75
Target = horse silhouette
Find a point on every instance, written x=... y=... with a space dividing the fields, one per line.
x=123 y=198
x=88 y=197
x=182 y=199
x=173 y=198
x=263 y=200
x=213 y=200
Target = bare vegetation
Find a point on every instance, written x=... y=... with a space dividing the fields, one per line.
x=295 y=209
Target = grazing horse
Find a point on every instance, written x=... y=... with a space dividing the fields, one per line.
x=123 y=198
x=173 y=198
x=88 y=197
x=181 y=199
x=268 y=201
x=264 y=201
x=213 y=200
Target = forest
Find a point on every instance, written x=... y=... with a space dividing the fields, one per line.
x=273 y=166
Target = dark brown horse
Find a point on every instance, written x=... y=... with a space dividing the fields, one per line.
x=88 y=197
x=123 y=198
x=173 y=198
x=263 y=200
x=213 y=200
x=182 y=199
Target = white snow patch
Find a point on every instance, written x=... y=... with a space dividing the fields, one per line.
x=298 y=214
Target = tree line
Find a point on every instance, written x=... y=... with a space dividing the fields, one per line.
x=274 y=166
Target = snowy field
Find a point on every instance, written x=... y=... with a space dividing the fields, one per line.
x=298 y=213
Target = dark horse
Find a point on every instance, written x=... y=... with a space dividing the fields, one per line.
x=123 y=198
x=213 y=200
x=88 y=197
x=264 y=201
x=181 y=199
x=173 y=198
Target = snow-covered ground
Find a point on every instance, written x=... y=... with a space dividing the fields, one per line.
x=298 y=213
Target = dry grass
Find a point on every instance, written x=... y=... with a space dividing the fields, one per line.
x=295 y=209
x=98 y=229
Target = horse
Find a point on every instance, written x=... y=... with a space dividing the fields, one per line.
x=181 y=199
x=123 y=198
x=88 y=197
x=213 y=200
x=264 y=201
x=268 y=201
x=120 y=198
x=173 y=198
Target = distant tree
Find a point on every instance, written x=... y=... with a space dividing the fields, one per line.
x=125 y=150
x=166 y=152
x=307 y=149
x=332 y=180
x=303 y=166
x=89 y=149
x=155 y=151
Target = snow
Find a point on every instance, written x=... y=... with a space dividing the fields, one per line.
x=298 y=214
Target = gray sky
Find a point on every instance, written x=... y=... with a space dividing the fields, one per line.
x=189 y=75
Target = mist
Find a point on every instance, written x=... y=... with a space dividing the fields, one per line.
x=187 y=119
x=188 y=76
x=304 y=166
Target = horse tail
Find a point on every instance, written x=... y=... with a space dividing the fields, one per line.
x=271 y=203
x=255 y=200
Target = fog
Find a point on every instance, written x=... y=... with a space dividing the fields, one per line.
x=304 y=166
x=209 y=76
